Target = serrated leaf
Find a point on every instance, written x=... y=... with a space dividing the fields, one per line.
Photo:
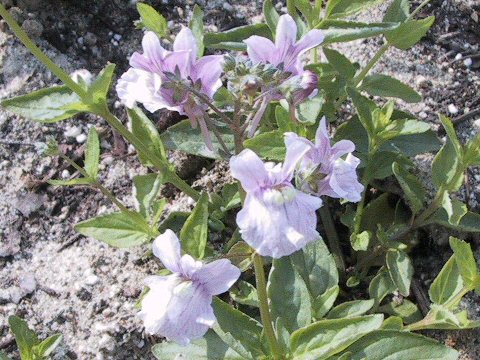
x=329 y=337
x=401 y=270
x=194 y=233
x=390 y=344
x=119 y=229
x=387 y=86
x=351 y=309
x=47 y=346
x=182 y=137
x=344 y=31
x=289 y=296
x=46 y=105
x=447 y=284
x=92 y=153
x=98 y=90
x=465 y=261
x=196 y=25
x=409 y=33
x=210 y=347
x=143 y=128
x=238 y=330
x=454 y=208
x=268 y=145
x=146 y=190
x=340 y=63
x=152 y=20
x=342 y=8
x=24 y=337
x=244 y=293
x=411 y=186
x=380 y=286
x=398 y=11
x=271 y=16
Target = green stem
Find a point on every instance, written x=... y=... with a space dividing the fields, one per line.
x=95 y=183
x=35 y=50
x=332 y=237
x=430 y=210
x=101 y=110
x=264 y=309
x=373 y=61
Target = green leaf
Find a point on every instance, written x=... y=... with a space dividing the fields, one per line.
x=117 y=229
x=194 y=233
x=470 y=222
x=342 y=8
x=351 y=309
x=309 y=110
x=244 y=293
x=71 y=182
x=98 y=91
x=268 y=145
x=324 y=302
x=392 y=345
x=47 y=346
x=182 y=137
x=174 y=221
x=328 y=337
x=3 y=356
x=398 y=11
x=454 y=208
x=288 y=294
x=471 y=156
x=409 y=33
x=465 y=261
x=387 y=86
x=365 y=107
x=152 y=20
x=360 y=241
x=401 y=270
x=414 y=191
x=452 y=135
x=310 y=13
x=284 y=121
x=447 y=284
x=146 y=191
x=407 y=310
x=24 y=337
x=340 y=63
x=393 y=323
x=241 y=255
x=271 y=16
x=92 y=153
x=380 y=286
x=145 y=130
x=46 y=105
x=344 y=31
x=446 y=168
x=210 y=347
x=232 y=39
x=317 y=267
x=238 y=330
x=196 y=25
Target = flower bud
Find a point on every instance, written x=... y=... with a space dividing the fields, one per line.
x=299 y=88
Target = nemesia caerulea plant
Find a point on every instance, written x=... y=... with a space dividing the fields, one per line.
x=268 y=102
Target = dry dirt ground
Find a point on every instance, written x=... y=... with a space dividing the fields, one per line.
x=86 y=290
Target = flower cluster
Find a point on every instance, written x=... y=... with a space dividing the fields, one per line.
x=278 y=219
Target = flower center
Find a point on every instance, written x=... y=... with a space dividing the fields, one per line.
x=279 y=194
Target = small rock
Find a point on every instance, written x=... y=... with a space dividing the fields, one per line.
x=117 y=37
x=452 y=109
x=468 y=62
x=73 y=131
x=90 y=39
x=227 y=7
x=16 y=294
x=458 y=56
x=81 y=138
x=28 y=203
x=91 y=279
x=10 y=244
x=33 y=28
x=65 y=174
x=28 y=283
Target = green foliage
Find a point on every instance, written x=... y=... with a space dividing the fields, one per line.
x=98 y=90
x=271 y=16
x=344 y=31
x=398 y=11
x=194 y=233
x=342 y=8
x=386 y=86
x=196 y=25
x=409 y=33
x=245 y=293
x=152 y=20
x=232 y=39
x=401 y=270
x=146 y=191
x=29 y=345
x=119 y=229
x=46 y=105
x=351 y=309
x=92 y=153
x=414 y=191
x=269 y=145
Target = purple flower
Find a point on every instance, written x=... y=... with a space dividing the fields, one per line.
x=322 y=171
x=276 y=219
x=286 y=51
x=178 y=306
x=299 y=88
x=147 y=80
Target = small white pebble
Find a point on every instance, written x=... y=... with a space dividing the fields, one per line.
x=73 y=131
x=91 y=279
x=117 y=37
x=81 y=138
x=468 y=62
x=451 y=71
x=423 y=115
x=458 y=56
x=65 y=174
x=452 y=109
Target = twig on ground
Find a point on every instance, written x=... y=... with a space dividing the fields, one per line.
x=69 y=242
